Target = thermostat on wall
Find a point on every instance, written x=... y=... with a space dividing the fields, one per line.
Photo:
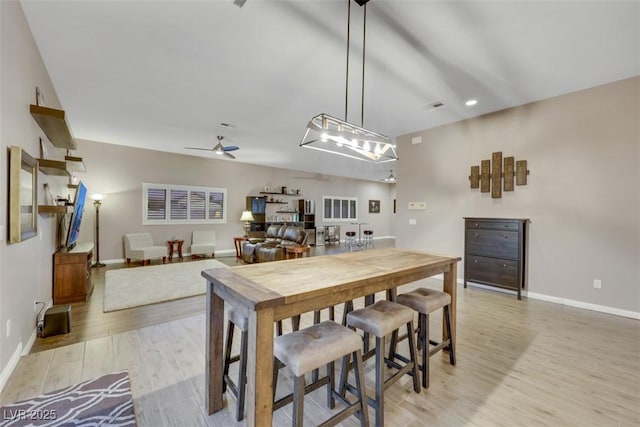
x=417 y=206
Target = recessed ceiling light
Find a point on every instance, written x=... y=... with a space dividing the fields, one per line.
x=471 y=102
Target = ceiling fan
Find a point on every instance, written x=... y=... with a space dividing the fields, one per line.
x=219 y=149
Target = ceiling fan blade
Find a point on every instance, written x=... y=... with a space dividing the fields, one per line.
x=230 y=148
x=198 y=148
x=229 y=155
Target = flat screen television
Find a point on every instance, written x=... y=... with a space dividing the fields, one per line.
x=76 y=216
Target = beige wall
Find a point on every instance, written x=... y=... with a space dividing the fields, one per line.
x=582 y=197
x=25 y=268
x=118 y=172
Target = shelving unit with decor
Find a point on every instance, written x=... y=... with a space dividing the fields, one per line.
x=286 y=213
x=308 y=219
x=257 y=206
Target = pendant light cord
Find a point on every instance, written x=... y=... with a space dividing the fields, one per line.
x=364 y=42
x=346 y=86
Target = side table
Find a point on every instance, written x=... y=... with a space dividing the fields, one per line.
x=237 y=242
x=175 y=245
x=298 y=251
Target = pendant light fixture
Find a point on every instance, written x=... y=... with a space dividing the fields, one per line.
x=332 y=135
x=391 y=178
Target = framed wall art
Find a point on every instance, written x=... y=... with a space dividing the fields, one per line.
x=23 y=195
x=374 y=206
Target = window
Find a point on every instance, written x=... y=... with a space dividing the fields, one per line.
x=338 y=208
x=180 y=204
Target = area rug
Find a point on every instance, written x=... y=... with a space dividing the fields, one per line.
x=103 y=401
x=133 y=287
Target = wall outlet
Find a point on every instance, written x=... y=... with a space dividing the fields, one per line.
x=597 y=283
x=412 y=221
x=8 y=328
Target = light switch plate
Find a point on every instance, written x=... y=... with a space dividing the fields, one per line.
x=417 y=206
x=412 y=221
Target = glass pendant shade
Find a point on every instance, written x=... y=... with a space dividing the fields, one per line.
x=329 y=134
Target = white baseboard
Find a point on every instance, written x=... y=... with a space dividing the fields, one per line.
x=585 y=305
x=19 y=352
x=556 y=300
x=8 y=370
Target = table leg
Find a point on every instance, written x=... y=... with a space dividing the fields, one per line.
x=259 y=401
x=213 y=351
x=450 y=286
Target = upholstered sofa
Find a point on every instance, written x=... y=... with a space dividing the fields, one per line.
x=273 y=247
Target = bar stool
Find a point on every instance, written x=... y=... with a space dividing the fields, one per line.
x=425 y=301
x=238 y=389
x=350 y=239
x=310 y=348
x=381 y=319
x=368 y=238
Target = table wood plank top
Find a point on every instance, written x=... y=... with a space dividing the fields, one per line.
x=274 y=283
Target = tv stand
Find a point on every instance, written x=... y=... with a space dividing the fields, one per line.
x=72 y=274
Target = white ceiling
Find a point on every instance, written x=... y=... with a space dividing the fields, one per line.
x=164 y=74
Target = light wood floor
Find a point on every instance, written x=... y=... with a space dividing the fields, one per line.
x=520 y=363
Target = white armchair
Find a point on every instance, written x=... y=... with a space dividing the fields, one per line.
x=140 y=246
x=203 y=242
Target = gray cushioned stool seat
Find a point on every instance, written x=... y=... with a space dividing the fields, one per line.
x=381 y=318
x=424 y=300
x=310 y=348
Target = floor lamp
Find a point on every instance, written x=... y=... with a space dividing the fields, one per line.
x=97 y=202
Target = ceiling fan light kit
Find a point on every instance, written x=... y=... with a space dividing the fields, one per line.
x=391 y=178
x=219 y=149
x=332 y=135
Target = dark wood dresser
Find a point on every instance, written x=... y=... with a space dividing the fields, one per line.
x=495 y=252
x=71 y=274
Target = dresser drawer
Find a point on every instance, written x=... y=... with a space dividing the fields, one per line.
x=492 y=243
x=492 y=270
x=493 y=225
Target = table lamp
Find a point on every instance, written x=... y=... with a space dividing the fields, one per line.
x=247 y=217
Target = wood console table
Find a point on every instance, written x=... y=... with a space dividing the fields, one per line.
x=72 y=274
x=264 y=295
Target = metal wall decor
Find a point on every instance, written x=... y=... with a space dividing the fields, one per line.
x=489 y=176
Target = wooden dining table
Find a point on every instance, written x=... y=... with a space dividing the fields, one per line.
x=267 y=292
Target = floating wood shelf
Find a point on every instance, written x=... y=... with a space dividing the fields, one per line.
x=53 y=167
x=52 y=209
x=282 y=194
x=54 y=125
x=75 y=164
x=72 y=185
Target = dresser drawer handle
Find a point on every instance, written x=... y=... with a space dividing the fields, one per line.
x=506 y=237
x=506 y=226
x=475 y=261
x=504 y=265
x=476 y=235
